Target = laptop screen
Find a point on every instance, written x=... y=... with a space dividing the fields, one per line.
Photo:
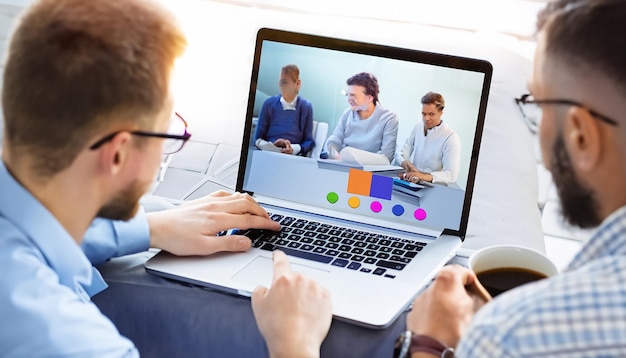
x=364 y=180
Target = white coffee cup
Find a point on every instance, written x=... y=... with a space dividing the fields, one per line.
x=518 y=262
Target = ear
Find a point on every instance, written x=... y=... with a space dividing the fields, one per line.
x=582 y=137
x=114 y=155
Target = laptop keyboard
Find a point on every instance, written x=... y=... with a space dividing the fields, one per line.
x=337 y=246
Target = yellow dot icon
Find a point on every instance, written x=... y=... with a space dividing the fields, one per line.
x=354 y=202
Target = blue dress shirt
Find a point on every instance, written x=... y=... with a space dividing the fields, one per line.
x=579 y=313
x=47 y=279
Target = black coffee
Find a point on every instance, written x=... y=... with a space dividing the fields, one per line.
x=499 y=280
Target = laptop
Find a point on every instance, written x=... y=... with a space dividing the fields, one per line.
x=372 y=241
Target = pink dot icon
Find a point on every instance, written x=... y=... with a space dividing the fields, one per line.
x=420 y=214
x=376 y=206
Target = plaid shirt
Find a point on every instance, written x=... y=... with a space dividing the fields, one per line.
x=579 y=313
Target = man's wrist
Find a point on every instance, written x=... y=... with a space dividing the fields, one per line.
x=417 y=345
x=426 y=344
x=294 y=353
x=289 y=348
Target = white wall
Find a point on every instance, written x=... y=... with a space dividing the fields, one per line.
x=214 y=74
x=9 y=10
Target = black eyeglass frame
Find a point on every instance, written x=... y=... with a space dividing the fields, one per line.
x=524 y=99
x=184 y=137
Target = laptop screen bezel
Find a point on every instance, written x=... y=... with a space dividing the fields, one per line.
x=383 y=51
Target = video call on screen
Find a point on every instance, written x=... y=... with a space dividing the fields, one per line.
x=323 y=75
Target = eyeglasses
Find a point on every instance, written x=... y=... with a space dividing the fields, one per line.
x=531 y=110
x=173 y=143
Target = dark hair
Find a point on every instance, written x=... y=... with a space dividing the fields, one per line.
x=366 y=80
x=434 y=98
x=292 y=70
x=587 y=35
x=74 y=67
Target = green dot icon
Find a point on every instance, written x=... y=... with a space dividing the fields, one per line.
x=332 y=197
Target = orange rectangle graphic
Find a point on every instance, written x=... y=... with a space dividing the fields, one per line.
x=359 y=182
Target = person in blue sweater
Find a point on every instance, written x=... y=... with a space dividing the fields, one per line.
x=286 y=120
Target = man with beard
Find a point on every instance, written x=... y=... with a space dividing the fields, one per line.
x=88 y=112
x=577 y=89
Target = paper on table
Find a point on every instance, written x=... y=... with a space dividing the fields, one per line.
x=265 y=145
x=385 y=170
x=363 y=157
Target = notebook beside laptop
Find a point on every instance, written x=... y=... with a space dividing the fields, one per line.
x=372 y=246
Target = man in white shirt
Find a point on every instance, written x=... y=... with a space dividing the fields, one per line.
x=433 y=150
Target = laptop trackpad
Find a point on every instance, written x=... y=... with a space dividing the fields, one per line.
x=259 y=271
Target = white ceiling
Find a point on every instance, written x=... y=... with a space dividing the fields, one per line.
x=509 y=17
